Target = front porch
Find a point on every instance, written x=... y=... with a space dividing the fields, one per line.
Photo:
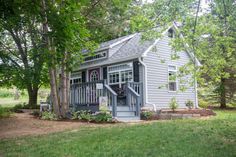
x=123 y=102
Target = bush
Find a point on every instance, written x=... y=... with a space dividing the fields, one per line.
x=173 y=104
x=146 y=115
x=202 y=103
x=85 y=116
x=189 y=104
x=48 y=116
x=4 y=112
x=102 y=117
x=75 y=115
x=89 y=117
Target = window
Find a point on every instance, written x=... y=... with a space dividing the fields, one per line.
x=172 y=78
x=97 y=55
x=114 y=78
x=171 y=33
x=121 y=73
x=75 y=78
x=94 y=75
x=126 y=76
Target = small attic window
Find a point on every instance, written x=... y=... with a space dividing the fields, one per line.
x=171 y=33
x=96 y=56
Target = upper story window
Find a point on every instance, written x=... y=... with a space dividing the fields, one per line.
x=75 y=78
x=96 y=56
x=172 y=78
x=121 y=73
x=171 y=33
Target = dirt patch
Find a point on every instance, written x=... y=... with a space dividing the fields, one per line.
x=22 y=124
x=202 y=112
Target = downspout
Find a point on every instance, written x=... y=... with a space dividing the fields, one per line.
x=196 y=92
x=145 y=91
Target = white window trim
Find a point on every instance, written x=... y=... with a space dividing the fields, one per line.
x=99 y=52
x=176 y=71
x=119 y=71
x=98 y=77
x=77 y=77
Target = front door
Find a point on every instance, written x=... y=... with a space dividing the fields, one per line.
x=94 y=74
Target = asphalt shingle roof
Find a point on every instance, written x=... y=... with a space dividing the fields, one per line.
x=132 y=48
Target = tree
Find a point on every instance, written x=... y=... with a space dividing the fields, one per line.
x=21 y=59
x=214 y=44
x=67 y=31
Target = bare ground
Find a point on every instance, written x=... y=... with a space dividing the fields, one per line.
x=23 y=124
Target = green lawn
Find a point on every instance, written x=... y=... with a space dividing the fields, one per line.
x=214 y=137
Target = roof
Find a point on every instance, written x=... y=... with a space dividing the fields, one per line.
x=126 y=48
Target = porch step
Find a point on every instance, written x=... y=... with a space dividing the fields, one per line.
x=125 y=113
x=129 y=119
x=122 y=108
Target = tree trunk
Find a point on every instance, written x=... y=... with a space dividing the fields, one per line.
x=33 y=97
x=64 y=88
x=51 y=62
x=222 y=94
x=54 y=95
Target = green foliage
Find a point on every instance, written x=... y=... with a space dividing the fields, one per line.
x=102 y=117
x=4 y=93
x=189 y=104
x=49 y=116
x=146 y=115
x=213 y=42
x=202 y=103
x=4 y=112
x=75 y=115
x=173 y=104
x=18 y=107
x=85 y=115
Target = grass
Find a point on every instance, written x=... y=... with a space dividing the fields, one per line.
x=4 y=112
x=214 y=137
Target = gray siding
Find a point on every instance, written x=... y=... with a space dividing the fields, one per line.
x=157 y=62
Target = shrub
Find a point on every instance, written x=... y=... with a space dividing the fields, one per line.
x=146 y=115
x=102 y=117
x=85 y=115
x=189 y=104
x=173 y=104
x=202 y=103
x=4 y=112
x=75 y=115
x=48 y=116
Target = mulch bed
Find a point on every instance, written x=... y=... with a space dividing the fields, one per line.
x=202 y=112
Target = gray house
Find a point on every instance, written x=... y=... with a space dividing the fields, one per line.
x=128 y=74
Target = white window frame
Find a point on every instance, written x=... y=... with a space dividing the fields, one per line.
x=76 y=77
x=176 y=79
x=95 y=70
x=96 y=53
x=120 y=71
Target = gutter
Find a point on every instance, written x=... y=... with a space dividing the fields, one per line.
x=145 y=91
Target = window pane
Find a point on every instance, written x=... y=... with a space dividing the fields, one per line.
x=172 y=86
x=172 y=68
x=172 y=76
x=76 y=80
